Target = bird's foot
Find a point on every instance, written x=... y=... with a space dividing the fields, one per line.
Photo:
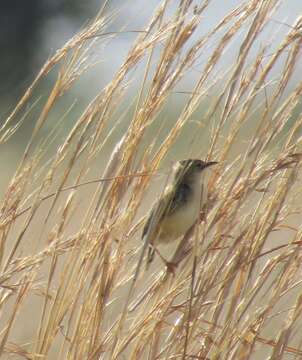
x=171 y=267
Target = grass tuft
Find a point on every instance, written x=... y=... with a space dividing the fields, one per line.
x=72 y=284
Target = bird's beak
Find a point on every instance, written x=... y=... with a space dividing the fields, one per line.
x=210 y=163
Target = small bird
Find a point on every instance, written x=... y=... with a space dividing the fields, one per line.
x=179 y=206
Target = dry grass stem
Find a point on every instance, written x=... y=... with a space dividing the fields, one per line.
x=70 y=249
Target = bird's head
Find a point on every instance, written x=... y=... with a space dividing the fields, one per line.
x=189 y=170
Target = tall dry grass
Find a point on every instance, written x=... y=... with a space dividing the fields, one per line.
x=72 y=284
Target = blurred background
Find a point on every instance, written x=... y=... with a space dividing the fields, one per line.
x=32 y=31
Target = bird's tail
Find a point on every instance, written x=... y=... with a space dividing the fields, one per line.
x=150 y=256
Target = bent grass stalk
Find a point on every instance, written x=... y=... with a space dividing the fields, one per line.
x=69 y=245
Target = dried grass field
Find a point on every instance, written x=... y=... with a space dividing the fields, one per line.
x=73 y=284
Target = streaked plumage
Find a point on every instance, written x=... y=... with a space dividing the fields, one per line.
x=178 y=208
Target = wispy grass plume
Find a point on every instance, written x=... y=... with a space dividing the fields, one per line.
x=70 y=226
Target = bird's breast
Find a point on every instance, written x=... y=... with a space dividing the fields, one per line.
x=179 y=222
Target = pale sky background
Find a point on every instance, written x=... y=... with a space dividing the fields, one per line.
x=57 y=21
x=60 y=26
x=134 y=15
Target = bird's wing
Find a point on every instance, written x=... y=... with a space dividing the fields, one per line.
x=160 y=208
x=158 y=212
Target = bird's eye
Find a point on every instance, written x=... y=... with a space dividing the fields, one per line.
x=199 y=165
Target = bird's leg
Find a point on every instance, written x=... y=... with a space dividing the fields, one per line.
x=150 y=255
x=171 y=266
x=202 y=216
